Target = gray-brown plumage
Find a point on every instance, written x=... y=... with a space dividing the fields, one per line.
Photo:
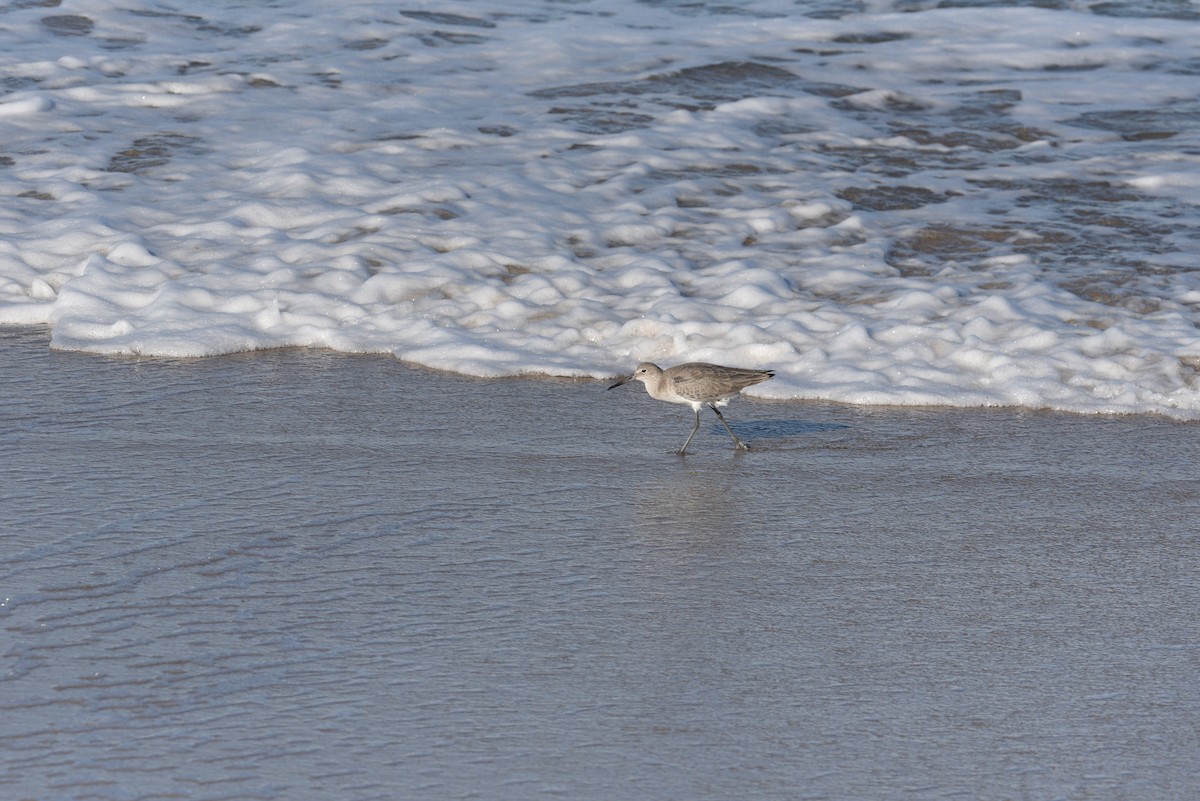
x=697 y=384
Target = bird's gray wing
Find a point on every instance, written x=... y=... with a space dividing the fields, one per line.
x=689 y=386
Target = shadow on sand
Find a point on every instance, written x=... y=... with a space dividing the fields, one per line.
x=764 y=431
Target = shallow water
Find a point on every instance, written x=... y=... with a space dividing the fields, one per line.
x=888 y=202
x=303 y=575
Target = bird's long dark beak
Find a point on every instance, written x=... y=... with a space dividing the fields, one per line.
x=624 y=380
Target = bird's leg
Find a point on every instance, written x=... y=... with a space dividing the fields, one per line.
x=695 y=428
x=737 y=443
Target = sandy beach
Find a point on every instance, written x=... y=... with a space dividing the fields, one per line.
x=241 y=560
x=304 y=575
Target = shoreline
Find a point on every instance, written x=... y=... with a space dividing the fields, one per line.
x=7 y=331
x=466 y=586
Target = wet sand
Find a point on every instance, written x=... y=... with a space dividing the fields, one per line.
x=303 y=575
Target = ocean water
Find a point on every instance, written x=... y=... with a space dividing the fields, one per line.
x=308 y=566
x=302 y=576
x=886 y=201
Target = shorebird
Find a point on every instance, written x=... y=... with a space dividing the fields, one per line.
x=698 y=384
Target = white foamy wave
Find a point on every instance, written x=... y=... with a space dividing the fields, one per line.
x=965 y=206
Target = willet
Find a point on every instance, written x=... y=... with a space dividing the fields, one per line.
x=698 y=384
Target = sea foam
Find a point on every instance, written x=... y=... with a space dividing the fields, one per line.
x=991 y=206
